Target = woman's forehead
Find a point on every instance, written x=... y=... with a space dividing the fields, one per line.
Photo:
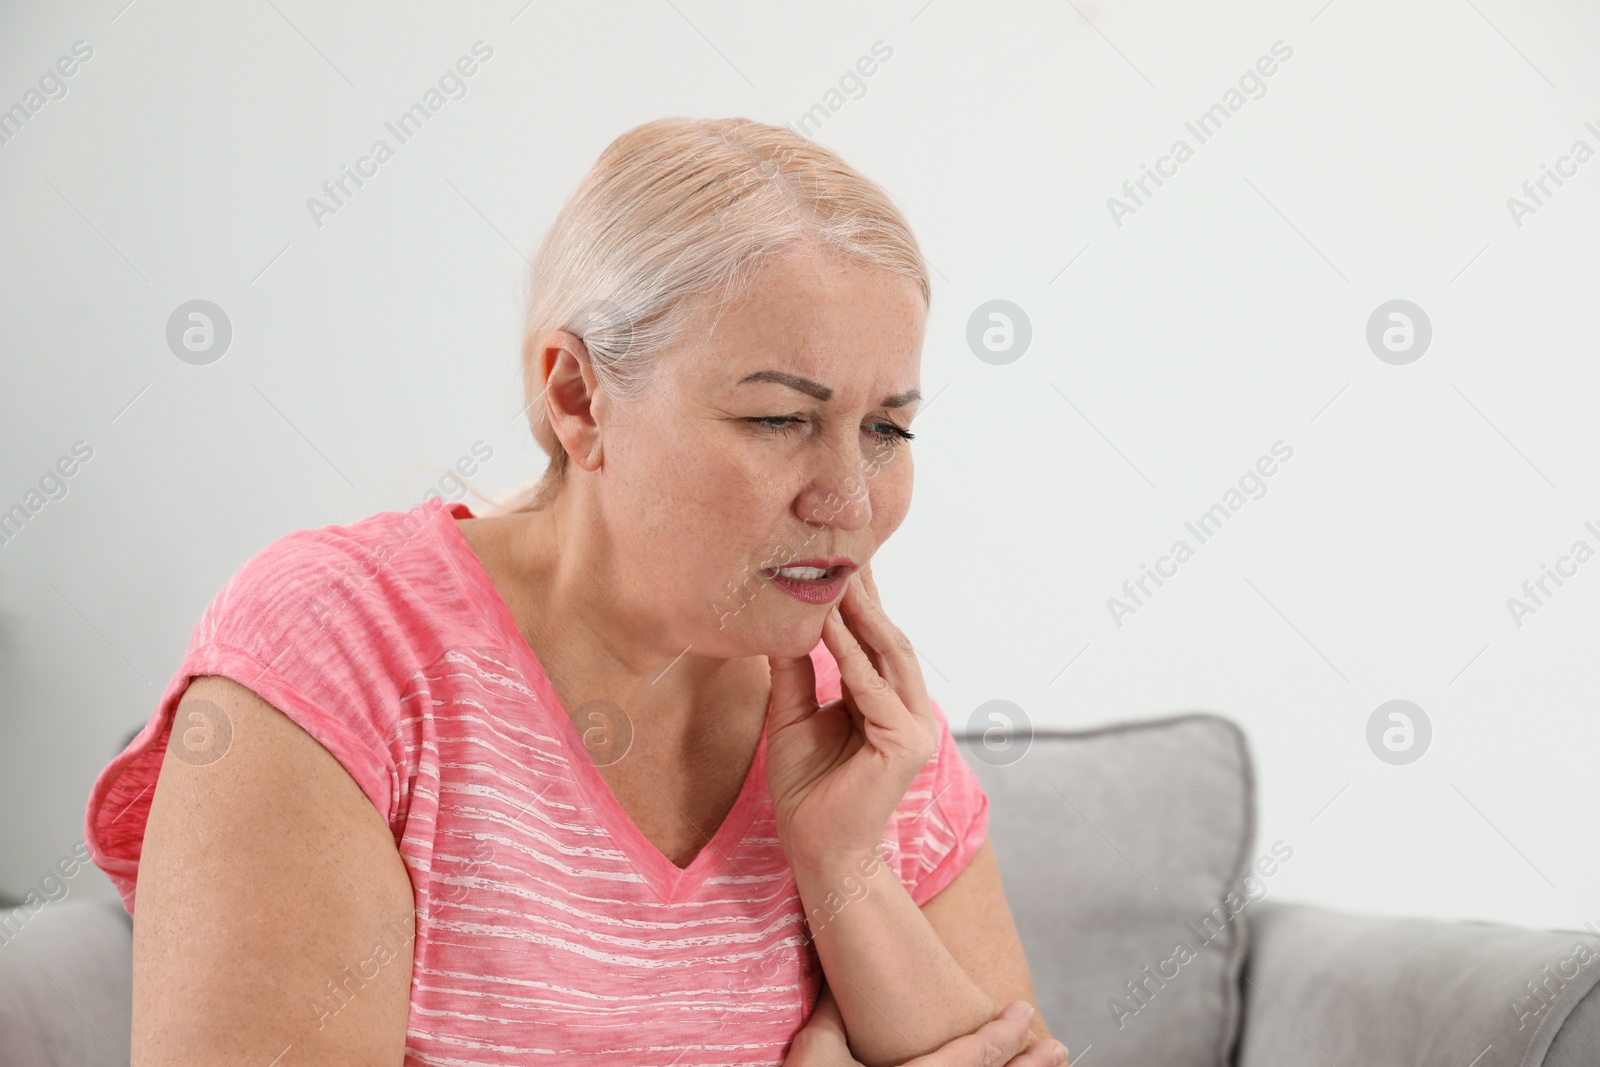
x=821 y=391
x=862 y=374
x=800 y=321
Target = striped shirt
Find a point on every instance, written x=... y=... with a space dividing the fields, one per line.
x=547 y=927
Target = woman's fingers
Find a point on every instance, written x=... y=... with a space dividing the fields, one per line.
x=888 y=723
x=822 y=1042
x=995 y=1044
x=826 y=1016
x=893 y=701
x=880 y=661
x=1041 y=1054
x=794 y=690
x=867 y=619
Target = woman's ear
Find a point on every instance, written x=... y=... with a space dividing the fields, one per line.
x=569 y=396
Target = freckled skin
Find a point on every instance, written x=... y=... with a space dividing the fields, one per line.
x=673 y=502
x=640 y=583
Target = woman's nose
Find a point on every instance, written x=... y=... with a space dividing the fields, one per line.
x=842 y=502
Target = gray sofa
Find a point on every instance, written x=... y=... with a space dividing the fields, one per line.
x=1147 y=909
x=1146 y=906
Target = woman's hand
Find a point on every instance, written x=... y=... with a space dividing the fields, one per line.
x=822 y=1043
x=837 y=771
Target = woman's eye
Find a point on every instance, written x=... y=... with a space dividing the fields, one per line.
x=892 y=433
x=884 y=431
x=775 y=423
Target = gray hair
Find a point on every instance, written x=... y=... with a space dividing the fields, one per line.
x=676 y=209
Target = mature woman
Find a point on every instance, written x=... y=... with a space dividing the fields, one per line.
x=635 y=769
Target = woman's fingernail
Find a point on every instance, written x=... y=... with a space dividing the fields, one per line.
x=1061 y=1053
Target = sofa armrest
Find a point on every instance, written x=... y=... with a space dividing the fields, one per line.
x=1323 y=986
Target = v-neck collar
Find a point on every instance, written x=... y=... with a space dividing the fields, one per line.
x=670 y=882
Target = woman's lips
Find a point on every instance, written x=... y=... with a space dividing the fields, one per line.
x=812 y=590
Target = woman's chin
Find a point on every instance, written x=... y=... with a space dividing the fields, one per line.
x=792 y=641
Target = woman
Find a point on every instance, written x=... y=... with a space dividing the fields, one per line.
x=554 y=782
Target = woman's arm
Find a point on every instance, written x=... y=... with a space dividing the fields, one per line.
x=822 y=1043
x=267 y=882
x=899 y=989
x=974 y=923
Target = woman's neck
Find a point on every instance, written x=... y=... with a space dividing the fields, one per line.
x=583 y=630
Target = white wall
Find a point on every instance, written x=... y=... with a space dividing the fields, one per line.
x=1168 y=353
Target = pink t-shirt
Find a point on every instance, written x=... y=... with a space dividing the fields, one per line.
x=548 y=928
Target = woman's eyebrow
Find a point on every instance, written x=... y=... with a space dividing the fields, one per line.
x=820 y=391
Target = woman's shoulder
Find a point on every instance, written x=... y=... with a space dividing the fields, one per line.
x=331 y=626
x=362 y=546
x=336 y=581
x=335 y=625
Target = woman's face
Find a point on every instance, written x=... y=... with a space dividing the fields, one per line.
x=704 y=500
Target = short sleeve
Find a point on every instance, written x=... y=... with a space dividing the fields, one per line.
x=943 y=820
x=309 y=624
x=944 y=817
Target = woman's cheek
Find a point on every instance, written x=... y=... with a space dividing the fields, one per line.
x=892 y=499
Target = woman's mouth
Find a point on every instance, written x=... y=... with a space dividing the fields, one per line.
x=812 y=581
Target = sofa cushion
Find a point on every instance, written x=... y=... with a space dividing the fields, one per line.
x=1126 y=856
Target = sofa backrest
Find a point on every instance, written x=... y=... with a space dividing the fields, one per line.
x=1126 y=854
